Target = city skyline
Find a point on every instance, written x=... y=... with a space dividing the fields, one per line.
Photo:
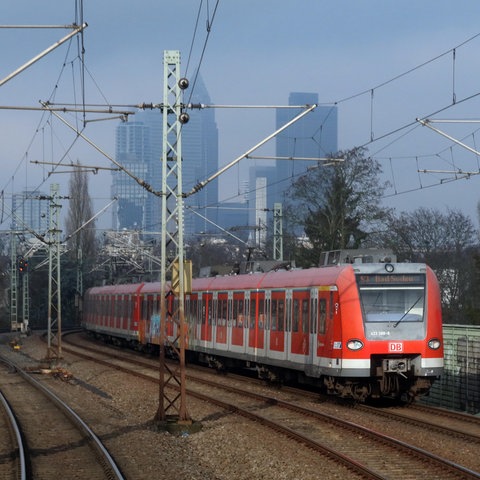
x=405 y=62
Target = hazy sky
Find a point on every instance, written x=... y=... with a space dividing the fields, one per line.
x=258 y=51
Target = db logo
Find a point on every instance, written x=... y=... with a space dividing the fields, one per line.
x=395 y=347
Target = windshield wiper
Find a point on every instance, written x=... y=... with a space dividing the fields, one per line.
x=407 y=312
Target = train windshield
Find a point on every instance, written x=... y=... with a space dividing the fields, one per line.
x=392 y=298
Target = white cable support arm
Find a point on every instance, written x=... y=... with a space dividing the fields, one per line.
x=217 y=226
x=200 y=185
x=77 y=29
x=90 y=220
x=141 y=182
x=426 y=123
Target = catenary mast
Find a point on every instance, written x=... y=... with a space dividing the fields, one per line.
x=172 y=406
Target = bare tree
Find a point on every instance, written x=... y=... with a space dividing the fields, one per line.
x=80 y=211
x=448 y=242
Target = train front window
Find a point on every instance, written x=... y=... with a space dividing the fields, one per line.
x=392 y=298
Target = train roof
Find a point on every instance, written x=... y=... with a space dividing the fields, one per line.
x=340 y=275
x=271 y=280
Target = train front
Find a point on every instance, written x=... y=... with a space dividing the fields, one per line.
x=402 y=328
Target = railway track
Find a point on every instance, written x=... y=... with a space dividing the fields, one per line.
x=15 y=463
x=349 y=443
x=55 y=438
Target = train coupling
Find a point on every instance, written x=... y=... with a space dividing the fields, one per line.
x=396 y=365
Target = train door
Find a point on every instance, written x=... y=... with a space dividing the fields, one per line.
x=257 y=323
x=277 y=324
x=206 y=319
x=328 y=345
x=300 y=326
x=238 y=322
x=313 y=360
x=221 y=319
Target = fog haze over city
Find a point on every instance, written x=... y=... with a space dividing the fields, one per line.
x=382 y=64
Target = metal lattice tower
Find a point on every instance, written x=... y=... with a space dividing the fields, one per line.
x=26 y=300
x=13 y=282
x=172 y=402
x=54 y=349
x=277 y=232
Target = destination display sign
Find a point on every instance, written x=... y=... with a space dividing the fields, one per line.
x=392 y=279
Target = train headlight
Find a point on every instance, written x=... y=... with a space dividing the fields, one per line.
x=354 y=344
x=434 y=343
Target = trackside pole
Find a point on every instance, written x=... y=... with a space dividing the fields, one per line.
x=172 y=413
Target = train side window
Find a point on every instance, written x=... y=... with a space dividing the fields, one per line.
x=266 y=314
x=313 y=313
x=129 y=308
x=202 y=309
x=296 y=315
x=235 y=313
x=281 y=315
x=305 y=316
x=273 y=315
x=262 y=318
x=322 y=315
x=253 y=312
x=194 y=311
x=209 y=312
x=222 y=312
x=150 y=306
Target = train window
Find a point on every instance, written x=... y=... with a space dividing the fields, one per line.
x=193 y=309
x=209 y=313
x=264 y=314
x=235 y=313
x=129 y=308
x=392 y=298
x=253 y=312
x=222 y=312
x=331 y=304
x=202 y=309
x=305 y=316
x=281 y=315
x=313 y=313
x=150 y=306
x=238 y=314
x=322 y=315
x=273 y=316
x=393 y=304
x=296 y=315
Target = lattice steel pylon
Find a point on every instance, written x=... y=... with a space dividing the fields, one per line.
x=277 y=232
x=172 y=404
x=13 y=282
x=54 y=336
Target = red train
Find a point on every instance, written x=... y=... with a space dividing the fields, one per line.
x=366 y=330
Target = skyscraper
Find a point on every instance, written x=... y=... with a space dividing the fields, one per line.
x=200 y=156
x=133 y=150
x=139 y=150
x=30 y=212
x=313 y=136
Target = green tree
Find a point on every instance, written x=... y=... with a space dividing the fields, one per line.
x=336 y=205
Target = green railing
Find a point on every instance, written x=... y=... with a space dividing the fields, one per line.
x=459 y=387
